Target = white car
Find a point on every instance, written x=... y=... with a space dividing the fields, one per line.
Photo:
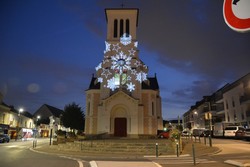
x=231 y=130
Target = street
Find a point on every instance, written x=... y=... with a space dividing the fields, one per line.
x=18 y=153
x=21 y=154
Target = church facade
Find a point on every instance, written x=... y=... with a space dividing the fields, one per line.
x=122 y=101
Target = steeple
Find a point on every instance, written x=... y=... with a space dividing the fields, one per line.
x=120 y=21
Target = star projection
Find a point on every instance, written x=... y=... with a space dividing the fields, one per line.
x=121 y=67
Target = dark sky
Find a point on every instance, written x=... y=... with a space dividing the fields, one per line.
x=49 y=49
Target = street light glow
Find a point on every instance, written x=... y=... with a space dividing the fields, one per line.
x=20 y=110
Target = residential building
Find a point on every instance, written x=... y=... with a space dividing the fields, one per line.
x=47 y=117
x=230 y=105
x=15 y=123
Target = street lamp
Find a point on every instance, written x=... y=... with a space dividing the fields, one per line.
x=37 y=119
x=18 y=121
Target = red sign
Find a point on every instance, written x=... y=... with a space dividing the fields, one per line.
x=237 y=14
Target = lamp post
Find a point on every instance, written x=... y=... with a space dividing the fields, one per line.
x=18 y=121
x=37 y=119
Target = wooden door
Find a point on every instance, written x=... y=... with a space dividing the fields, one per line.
x=120 y=127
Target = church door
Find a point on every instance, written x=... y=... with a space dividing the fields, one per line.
x=120 y=127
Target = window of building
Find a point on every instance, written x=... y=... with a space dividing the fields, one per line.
x=121 y=27
x=120 y=79
x=233 y=103
x=115 y=28
x=127 y=27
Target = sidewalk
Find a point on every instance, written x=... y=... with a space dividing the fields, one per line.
x=201 y=150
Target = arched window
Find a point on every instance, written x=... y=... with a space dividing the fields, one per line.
x=115 y=28
x=121 y=27
x=127 y=27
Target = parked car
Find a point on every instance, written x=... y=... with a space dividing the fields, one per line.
x=185 y=133
x=207 y=133
x=247 y=134
x=231 y=130
x=164 y=134
x=4 y=138
x=240 y=134
x=198 y=132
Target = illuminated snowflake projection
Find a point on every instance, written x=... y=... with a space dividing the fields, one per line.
x=98 y=67
x=141 y=76
x=106 y=72
x=107 y=47
x=124 y=68
x=131 y=87
x=125 y=40
x=121 y=63
x=136 y=44
x=111 y=84
x=131 y=52
x=116 y=47
x=100 y=79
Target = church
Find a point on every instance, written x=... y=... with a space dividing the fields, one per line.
x=122 y=100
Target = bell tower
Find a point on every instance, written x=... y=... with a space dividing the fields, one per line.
x=120 y=21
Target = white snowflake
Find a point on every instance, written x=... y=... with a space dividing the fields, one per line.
x=125 y=40
x=111 y=84
x=107 y=47
x=141 y=76
x=136 y=44
x=98 y=67
x=106 y=72
x=131 y=87
x=121 y=62
x=116 y=47
x=128 y=78
x=133 y=71
x=100 y=79
x=131 y=52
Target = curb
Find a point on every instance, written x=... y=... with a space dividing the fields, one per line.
x=237 y=163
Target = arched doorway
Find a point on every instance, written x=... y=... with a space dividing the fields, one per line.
x=119 y=122
x=120 y=129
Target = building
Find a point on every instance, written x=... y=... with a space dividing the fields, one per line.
x=17 y=124
x=122 y=101
x=229 y=105
x=47 y=117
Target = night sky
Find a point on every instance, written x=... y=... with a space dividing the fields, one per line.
x=49 y=50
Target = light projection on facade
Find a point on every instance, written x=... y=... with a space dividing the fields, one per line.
x=121 y=67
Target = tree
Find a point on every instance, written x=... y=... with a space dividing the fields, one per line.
x=73 y=117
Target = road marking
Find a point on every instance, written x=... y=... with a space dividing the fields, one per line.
x=74 y=159
x=93 y=164
x=180 y=160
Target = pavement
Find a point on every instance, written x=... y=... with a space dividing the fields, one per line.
x=201 y=151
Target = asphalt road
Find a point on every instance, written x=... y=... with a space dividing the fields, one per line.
x=18 y=154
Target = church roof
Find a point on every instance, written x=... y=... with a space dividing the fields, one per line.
x=151 y=84
x=93 y=84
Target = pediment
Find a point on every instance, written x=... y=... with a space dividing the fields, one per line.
x=120 y=97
